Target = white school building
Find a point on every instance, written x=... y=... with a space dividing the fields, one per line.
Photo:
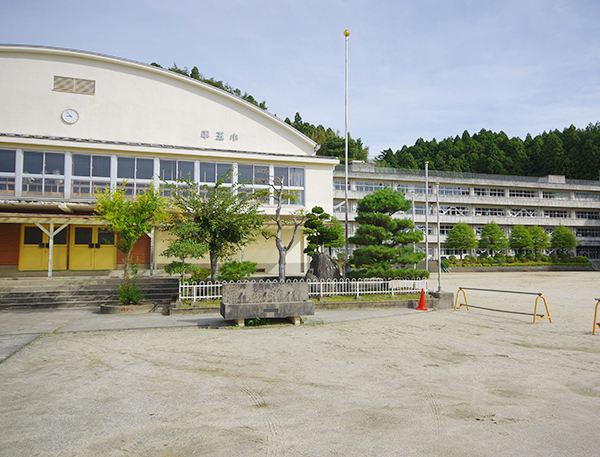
x=72 y=121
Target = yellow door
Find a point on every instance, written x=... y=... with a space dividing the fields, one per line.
x=35 y=249
x=93 y=248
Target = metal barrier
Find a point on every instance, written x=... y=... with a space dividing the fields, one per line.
x=535 y=313
x=596 y=323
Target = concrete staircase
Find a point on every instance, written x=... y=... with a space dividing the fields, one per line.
x=79 y=291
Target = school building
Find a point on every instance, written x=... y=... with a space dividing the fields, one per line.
x=73 y=121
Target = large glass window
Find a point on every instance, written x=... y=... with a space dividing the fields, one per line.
x=90 y=173
x=136 y=174
x=7 y=171
x=7 y=161
x=43 y=174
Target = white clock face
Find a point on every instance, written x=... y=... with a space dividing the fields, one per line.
x=70 y=116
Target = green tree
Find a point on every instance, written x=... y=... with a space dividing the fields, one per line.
x=563 y=239
x=461 y=237
x=321 y=231
x=492 y=239
x=520 y=239
x=384 y=242
x=225 y=217
x=539 y=239
x=130 y=217
x=186 y=244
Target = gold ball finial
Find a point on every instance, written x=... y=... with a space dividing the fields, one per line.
x=346 y=33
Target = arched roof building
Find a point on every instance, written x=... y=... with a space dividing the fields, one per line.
x=71 y=121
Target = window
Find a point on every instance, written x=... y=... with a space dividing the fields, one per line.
x=7 y=165
x=519 y=193
x=587 y=232
x=210 y=172
x=522 y=212
x=445 y=229
x=172 y=170
x=7 y=161
x=294 y=176
x=557 y=213
x=89 y=172
x=489 y=211
x=413 y=188
x=587 y=215
x=454 y=210
x=488 y=192
x=339 y=185
x=454 y=190
x=370 y=186
x=422 y=228
x=555 y=195
x=135 y=174
x=43 y=174
x=587 y=196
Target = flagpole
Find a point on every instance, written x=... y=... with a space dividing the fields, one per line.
x=347 y=35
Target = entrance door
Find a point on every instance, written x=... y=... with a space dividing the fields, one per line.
x=93 y=248
x=35 y=249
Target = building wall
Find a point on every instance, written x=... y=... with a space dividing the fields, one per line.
x=9 y=244
x=479 y=199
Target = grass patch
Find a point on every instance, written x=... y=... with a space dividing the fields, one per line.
x=369 y=297
x=203 y=304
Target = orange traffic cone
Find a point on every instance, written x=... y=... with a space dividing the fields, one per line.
x=422 y=306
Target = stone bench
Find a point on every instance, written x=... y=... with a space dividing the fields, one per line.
x=249 y=300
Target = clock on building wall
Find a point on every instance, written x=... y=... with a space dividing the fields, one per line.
x=70 y=116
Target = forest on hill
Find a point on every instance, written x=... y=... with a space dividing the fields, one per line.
x=331 y=142
x=574 y=153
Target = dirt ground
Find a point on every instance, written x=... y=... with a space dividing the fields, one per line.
x=437 y=383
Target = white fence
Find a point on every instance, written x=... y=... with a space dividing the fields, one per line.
x=356 y=287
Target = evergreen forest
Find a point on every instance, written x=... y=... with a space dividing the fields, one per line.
x=574 y=153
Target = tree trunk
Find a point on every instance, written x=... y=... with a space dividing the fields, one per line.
x=282 y=254
x=126 y=262
x=213 y=266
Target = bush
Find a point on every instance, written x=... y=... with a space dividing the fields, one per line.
x=129 y=292
x=469 y=259
x=387 y=273
x=499 y=258
x=236 y=271
x=200 y=274
x=530 y=256
x=580 y=259
x=511 y=260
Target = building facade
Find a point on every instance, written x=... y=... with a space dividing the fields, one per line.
x=72 y=122
x=478 y=199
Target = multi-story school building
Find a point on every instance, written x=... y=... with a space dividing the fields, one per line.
x=477 y=199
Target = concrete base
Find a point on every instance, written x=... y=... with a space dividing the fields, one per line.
x=445 y=300
x=267 y=310
x=127 y=309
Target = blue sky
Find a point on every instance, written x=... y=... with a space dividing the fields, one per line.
x=427 y=68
